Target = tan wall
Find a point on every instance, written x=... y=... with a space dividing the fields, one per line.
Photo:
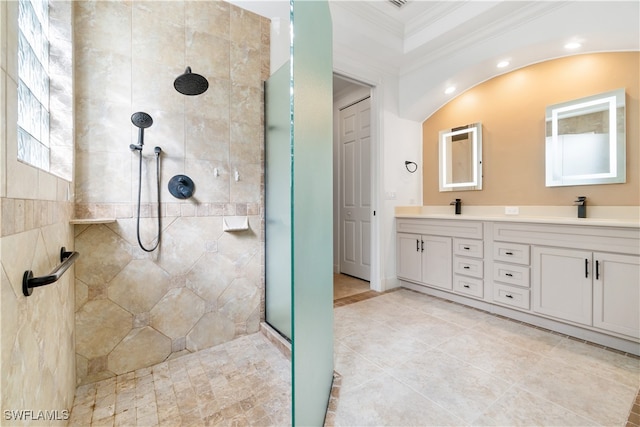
x=38 y=349
x=511 y=108
x=202 y=286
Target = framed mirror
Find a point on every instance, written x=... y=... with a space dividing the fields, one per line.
x=461 y=158
x=586 y=141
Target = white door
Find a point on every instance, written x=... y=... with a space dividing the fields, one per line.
x=355 y=180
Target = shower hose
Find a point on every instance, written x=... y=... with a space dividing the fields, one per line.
x=157 y=151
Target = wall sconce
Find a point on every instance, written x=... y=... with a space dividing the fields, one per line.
x=411 y=169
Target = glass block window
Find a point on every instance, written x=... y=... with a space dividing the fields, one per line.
x=33 y=83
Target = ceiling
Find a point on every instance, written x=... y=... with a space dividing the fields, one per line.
x=430 y=45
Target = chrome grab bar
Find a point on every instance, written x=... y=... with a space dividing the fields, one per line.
x=29 y=282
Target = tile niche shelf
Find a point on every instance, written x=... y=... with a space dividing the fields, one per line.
x=90 y=221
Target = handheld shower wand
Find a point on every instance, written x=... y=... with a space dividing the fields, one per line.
x=142 y=121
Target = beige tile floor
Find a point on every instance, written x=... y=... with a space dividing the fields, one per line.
x=246 y=382
x=410 y=359
x=404 y=358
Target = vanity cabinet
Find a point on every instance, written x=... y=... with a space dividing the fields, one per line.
x=425 y=252
x=582 y=280
x=425 y=259
x=593 y=288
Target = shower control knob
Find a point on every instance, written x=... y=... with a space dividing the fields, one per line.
x=181 y=187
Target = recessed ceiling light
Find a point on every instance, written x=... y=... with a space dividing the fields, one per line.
x=502 y=64
x=449 y=90
x=572 y=45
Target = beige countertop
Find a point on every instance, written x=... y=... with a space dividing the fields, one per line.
x=605 y=216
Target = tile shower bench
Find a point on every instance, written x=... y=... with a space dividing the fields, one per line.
x=579 y=277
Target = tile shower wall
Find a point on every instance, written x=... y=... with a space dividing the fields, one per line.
x=37 y=333
x=203 y=286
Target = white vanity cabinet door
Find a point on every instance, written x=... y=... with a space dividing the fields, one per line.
x=424 y=259
x=616 y=293
x=562 y=284
x=436 y=261
x=409 y=257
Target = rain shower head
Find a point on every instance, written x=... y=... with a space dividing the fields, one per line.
x=190 y=83
x=142 y=121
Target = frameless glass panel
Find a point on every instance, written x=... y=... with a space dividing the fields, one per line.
x=312 y=203
x=278 y=201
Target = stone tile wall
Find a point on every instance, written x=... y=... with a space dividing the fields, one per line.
x=203 y=286
x=37 y=350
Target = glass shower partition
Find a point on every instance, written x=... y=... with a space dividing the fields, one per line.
x=278 y=171
x=312 y=203
x=299 y=207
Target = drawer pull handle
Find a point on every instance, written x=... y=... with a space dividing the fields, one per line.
x=466 y=248
x=466 y=286
x=509 y=296
x=508 y=253
x=466 y=267
x=508 y=274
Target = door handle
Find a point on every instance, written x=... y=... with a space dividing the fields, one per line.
x=417 y=245
x=422 y=245
x=597 y=270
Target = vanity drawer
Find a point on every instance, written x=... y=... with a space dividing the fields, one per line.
x=468 y=266
x=466 y=247
x=468 y=286
x=511 y=252
x=513 y=274
x=510 y=295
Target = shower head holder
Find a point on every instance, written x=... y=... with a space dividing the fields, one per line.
x=181 y=187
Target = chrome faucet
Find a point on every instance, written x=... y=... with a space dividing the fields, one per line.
x=582 y=206
x=458 y=204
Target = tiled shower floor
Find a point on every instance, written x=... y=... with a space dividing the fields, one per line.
x=245 y=382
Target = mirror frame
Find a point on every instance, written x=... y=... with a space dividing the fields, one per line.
x=475 y=132
x=554 y=155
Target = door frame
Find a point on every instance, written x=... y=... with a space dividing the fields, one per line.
x=375 y=179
